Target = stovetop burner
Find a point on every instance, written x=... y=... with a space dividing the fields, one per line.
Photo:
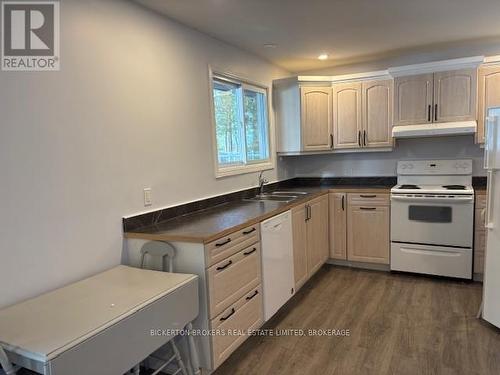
x=454 y=187
x=409 y=187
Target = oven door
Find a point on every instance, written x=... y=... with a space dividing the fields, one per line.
x=441 y=221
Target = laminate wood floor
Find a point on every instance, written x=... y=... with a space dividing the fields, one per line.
x=399 y=324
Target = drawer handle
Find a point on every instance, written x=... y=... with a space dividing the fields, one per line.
x=249 y=231
x=228 y=316
x=223 y=243
x=368 y=208
x=253 y=295
x=251 y=251
x=224 y=266
x=368 y=196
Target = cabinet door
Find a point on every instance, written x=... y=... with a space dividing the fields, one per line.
x=377 y=101
x=413 y=99
x=455 y=95
x=338 y=225
x=299 y=245
x=368 y=234
x=317 y=234
x=347 y=115
x=316 y=118
x=488 y=96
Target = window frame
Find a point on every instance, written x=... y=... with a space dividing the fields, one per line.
x=248 y=166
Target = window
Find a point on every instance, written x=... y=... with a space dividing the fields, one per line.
x=241 y=126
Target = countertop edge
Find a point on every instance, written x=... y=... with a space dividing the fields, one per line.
x=254 y=220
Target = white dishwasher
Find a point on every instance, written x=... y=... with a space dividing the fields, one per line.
x=277 y=262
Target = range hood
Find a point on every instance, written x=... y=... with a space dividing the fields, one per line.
x=435 y=130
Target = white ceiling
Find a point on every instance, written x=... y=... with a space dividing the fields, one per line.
x=348 y=30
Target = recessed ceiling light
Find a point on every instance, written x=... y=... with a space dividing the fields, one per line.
x=323 y=56
x=269 y=45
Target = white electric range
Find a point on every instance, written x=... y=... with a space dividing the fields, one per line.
x=432 y=218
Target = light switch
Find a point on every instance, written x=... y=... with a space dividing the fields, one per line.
x=147 y=197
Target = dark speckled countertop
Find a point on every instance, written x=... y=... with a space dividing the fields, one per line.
x=211 y=223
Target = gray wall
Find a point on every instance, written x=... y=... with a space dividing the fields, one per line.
x=384 y=163
x=129 y=109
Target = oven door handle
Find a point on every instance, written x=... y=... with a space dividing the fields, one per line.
x=432 y=200
x=431 y=252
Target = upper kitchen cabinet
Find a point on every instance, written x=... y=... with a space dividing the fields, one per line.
x=455 y=95
x=377 y=113
x=437 y=97
x=413 y=99
x=347 y=121
x=303 y=116
x=362 y=114
x=316 y=118
x=488 y=95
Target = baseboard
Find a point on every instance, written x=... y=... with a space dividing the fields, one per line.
x=362 y=265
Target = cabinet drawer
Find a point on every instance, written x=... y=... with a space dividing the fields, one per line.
x=233 y=324
x=371 y=199
x=229 y=279
x=481 y=200
x=226 y=246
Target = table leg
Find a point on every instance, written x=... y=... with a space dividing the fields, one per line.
x=193 y=352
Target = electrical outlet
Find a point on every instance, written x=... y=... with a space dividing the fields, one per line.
x=147 y=197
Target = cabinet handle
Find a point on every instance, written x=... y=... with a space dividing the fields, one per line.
x=223 y=243
x=359 y=138
x=251 y=251
x=253 y=295
x=331 y=140
x=228 y=316
x=224 y=266
x=308 y=212
x=364 y=137
x=249 y=231
x=368 y=208
x=435 y=112
x=429 y=113
x=368 y=196
x=343 y=200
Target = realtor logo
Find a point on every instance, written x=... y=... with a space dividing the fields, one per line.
x=30 y=35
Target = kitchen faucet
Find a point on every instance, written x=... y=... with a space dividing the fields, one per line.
x=262 y=181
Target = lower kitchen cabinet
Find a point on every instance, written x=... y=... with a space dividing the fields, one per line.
x=368 y=233
x=317 y=234
x=310 y=238
x=299 y=245
x=338 y=225
x=244 y=315
x=360 y=227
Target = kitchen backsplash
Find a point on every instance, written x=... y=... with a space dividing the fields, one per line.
x=384 y=163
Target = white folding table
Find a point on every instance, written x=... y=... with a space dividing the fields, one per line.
x=101 y=325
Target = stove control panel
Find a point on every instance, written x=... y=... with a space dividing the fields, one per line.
x=435 y=167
